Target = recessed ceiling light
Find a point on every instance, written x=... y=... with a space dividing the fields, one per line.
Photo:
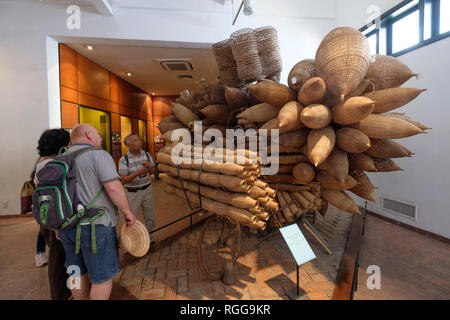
x=153 y=93
x=89 y=47
x=129 y=74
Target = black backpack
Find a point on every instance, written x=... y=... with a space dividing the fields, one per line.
x=56 y=204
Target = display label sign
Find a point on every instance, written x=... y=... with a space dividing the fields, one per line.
x=297 y=243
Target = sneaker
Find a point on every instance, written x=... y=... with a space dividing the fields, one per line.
x=41 y=259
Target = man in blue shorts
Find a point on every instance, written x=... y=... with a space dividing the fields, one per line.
x=95 y=170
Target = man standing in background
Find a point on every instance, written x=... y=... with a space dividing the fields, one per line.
x=135 y=169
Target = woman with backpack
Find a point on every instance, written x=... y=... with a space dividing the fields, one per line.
x=49 y=145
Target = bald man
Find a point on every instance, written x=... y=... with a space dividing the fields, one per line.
x=95 y=171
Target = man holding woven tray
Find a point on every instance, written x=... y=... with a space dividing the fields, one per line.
x=135 y=169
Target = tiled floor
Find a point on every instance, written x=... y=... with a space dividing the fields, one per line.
x=412 y=266
x=266 y=271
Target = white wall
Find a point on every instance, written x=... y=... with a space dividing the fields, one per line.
x=25 y=26
x=425 y=180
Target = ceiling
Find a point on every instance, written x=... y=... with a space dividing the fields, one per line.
x=147 y=72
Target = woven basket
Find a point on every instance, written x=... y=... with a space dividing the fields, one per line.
x=226 y=64
x=330 y=182
x=410 y=120
x=216 y=112
x=320 y=144
x=316 y=116
x=169 y=126
x=388 y=72
x=386 y=165
x=342 y=60
x=135 y=239
x=273 y=93
x=259 y=113
x=312 y=92
x=392 y=98
x=383 y=126
x=338 y=164
x=352 y=110
x=289 y=116
x=362 y=161
x=300 y=73
x=236 y=98
x=385 y=148
x=352 y=140
x=245 y=51
x=364 y=188
x=184 y=114
x=304 y=172
x=340 y=200
x=269 y=50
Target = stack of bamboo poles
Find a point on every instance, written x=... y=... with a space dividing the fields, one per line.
x=222 y=188
x=335 y=122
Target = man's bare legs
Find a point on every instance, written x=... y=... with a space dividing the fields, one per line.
x=101 y=291
x=83 y=292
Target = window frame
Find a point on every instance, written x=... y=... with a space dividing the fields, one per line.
x=387 y=20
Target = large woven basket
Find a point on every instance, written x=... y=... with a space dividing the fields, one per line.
x=135 y=239
x=269 y=50
x=244 y=46
x=226 y=64
x=342 y=60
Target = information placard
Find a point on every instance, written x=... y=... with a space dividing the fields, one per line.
x=297 y=243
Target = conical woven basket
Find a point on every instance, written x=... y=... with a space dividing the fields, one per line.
x=352 y=140
x=135 y=239
x=342 y=60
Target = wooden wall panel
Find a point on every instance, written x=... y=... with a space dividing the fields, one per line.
x=125 y=111
x=93 y=102
x=92 y=78
x=68 y=67
x=167 y=108
x=134 y=97
x=68 y=94
x=114 y=88
x=69 y=114
x=115 y=107
x=135 y=125
x=158 y=107
x=115 y=122
x=149 y=107
x=142 y=115
x=141 y=101
x=125 y=93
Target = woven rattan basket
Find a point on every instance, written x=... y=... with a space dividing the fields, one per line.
x=135 y=239
x=226 y=63
x=244 y=46
x=269 y=50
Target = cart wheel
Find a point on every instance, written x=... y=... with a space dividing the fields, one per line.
x=218 y=245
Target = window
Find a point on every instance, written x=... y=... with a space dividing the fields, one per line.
x=143 y=133
x=405 y=32
x=408 y=26
x=125 y=129
x=100 y=120
x=444 y=17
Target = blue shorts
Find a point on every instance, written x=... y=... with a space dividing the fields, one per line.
x=103 y=265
